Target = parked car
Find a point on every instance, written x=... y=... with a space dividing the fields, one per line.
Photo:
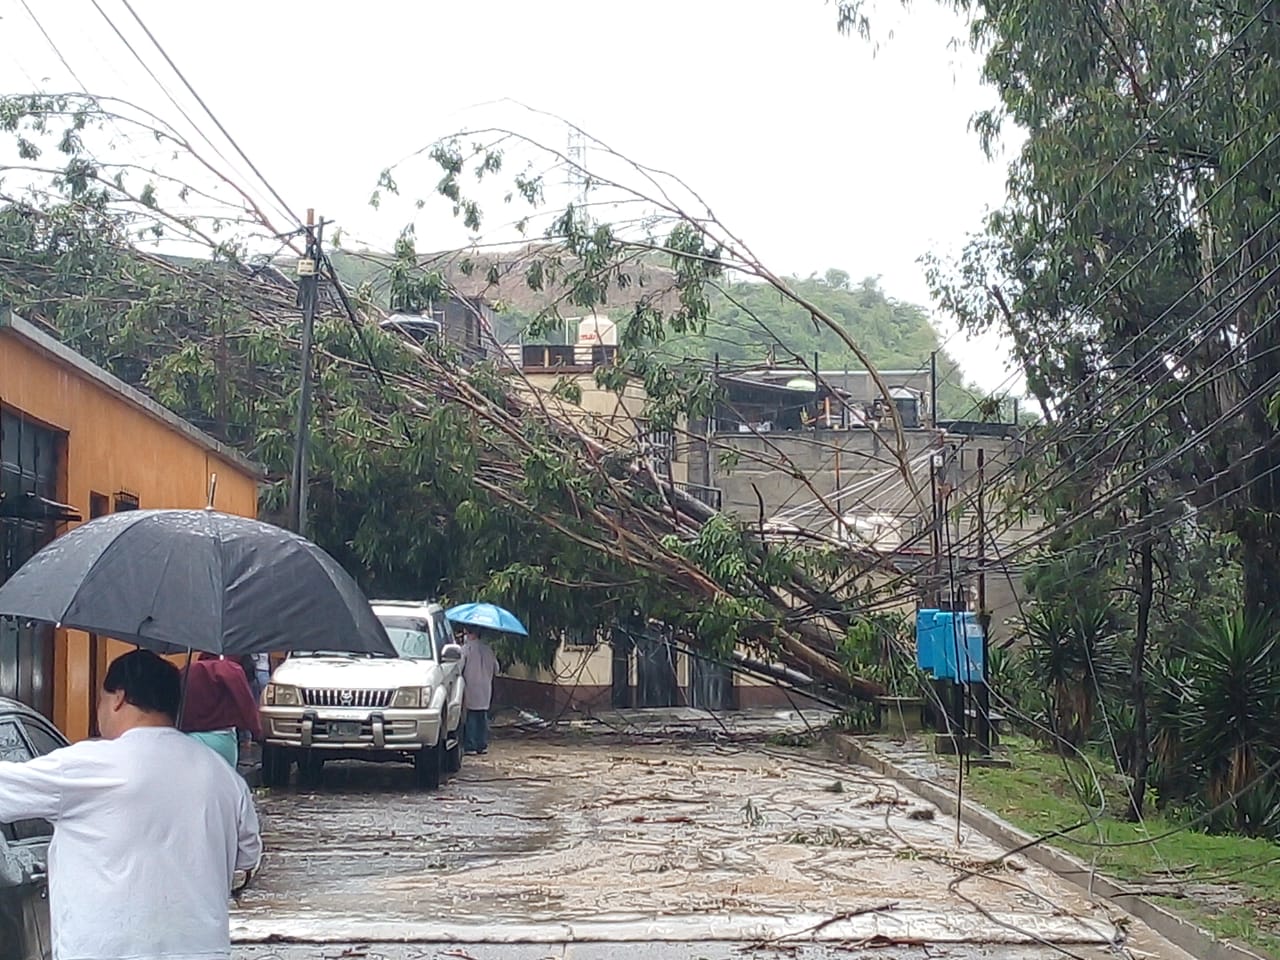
x=331 y=706
x=24 y=846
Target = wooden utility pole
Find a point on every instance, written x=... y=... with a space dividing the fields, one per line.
x=308 y=298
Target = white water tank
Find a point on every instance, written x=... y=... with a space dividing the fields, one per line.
x=597 y=331
x=593 y=331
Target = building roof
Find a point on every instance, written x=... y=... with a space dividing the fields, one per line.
x=13 y=325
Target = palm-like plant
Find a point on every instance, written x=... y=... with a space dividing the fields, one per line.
x=1074 y=658
x=1170 y=694
x=1231 y=727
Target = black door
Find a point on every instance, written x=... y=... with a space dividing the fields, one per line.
x=28 y=467
x=656 y=682
x=620 y=683
x=711 y=685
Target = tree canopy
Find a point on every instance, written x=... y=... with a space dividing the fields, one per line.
x=1134 y=269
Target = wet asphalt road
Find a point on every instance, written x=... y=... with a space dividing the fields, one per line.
x=584 y=849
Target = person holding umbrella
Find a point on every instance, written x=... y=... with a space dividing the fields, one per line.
x=149 y=826
x=479 y=668
x=480 y=665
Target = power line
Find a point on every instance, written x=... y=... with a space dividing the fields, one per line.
x=1142 y=138
x=159 y=83
x=1123 y=436
x=49 y=39
x=1152 y=358
x=200 y=100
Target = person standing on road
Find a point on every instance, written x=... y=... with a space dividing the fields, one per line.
x=149 y=827
x=261 y=673
x=219 y=704
x=479 y=667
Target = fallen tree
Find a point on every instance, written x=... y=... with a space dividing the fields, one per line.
x=427 y=471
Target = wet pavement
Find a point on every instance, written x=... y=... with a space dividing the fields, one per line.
x=658 y=951
x=578 y=846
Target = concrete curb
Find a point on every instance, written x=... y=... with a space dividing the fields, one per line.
x=1180 y=932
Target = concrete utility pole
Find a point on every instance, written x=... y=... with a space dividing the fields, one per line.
x=308 y=298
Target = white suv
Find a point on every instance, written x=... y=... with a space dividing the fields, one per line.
x=331 y=706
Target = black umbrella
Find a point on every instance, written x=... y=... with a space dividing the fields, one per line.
x=179 y=580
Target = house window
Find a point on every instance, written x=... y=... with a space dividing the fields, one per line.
x=29 y=466
x=126 y=501
x=579 y=638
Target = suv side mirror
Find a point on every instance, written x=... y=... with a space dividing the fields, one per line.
x=450 y=653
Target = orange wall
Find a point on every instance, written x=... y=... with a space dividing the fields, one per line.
x=111 y=446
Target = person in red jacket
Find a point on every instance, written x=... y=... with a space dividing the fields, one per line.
x=218 y=701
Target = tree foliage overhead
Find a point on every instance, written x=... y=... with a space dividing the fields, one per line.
x=428 y=478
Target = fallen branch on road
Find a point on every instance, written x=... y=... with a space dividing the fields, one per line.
x=817 y=928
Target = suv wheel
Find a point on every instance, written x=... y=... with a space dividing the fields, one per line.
x=275 y=766
x=427 y=764
x=453 y=756
x=310 y=769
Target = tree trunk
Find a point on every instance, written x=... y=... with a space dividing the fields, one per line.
x=1140 y=752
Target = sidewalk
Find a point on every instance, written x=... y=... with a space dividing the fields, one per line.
x=909 y=761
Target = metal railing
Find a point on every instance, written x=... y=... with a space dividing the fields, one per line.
x=576 y=357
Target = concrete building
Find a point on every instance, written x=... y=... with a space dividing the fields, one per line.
x=77 y=443
x=802 y=456
x=819 y=457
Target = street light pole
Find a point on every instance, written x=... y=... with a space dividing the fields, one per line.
x=308 y=297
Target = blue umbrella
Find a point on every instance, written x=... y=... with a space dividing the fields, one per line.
x=487 y=615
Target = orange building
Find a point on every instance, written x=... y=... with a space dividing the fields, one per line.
x=76 y=443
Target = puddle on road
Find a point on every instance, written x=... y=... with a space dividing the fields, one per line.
x=688 y=831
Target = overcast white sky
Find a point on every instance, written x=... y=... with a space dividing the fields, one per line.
x=819 y=150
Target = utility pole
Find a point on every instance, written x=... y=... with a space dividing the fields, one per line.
x=938 y=707
x=933 y=389
x=935 y=591
x=984 y=616
x=308 y=298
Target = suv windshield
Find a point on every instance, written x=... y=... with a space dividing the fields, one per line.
x=411 y=636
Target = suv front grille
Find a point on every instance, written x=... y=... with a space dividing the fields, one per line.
x=323 y=697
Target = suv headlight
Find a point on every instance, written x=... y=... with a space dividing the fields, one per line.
x=281 y=695
x=412 y=698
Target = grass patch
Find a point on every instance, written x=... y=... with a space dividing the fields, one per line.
x=1229 y=885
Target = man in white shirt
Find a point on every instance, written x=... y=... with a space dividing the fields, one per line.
x=479 y=667
x=149 y=827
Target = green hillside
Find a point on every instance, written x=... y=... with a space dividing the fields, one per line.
x=752 y=322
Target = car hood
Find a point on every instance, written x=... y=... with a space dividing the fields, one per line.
x=356 y=673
